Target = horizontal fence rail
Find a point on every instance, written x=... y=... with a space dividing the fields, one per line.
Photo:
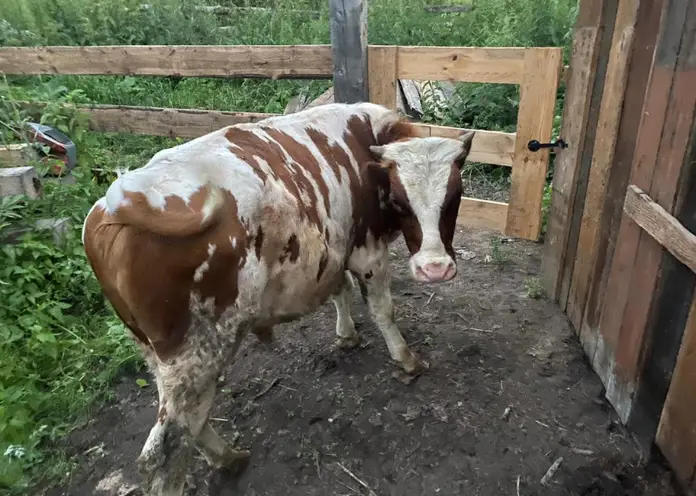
x=245 y=61
x=488 y=146
x=461 y=64
x=536 y=70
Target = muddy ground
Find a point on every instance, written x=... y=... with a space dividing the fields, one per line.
x=507 y=394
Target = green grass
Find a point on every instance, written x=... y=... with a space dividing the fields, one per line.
x=60 y=343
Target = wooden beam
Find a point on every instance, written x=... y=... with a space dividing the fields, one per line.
x=155 y=121
x=482 y=214
x=463 y=64
x=602 y=13
x=349 y=48
x=542 y=69
x=602 y=159
x=243 y=61
x=662 y=226
x=576 y=115
x=382 y=74
x=488 y=147
x=647 y=28
x=662 y=145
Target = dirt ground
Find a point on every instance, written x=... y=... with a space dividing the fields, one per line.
x=507 y=394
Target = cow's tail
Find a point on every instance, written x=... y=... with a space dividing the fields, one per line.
x=135 y=210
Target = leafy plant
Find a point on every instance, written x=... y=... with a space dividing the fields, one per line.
x=499 y=255
x=60 y=343
x=534 y=288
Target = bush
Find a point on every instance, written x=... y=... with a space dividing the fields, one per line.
x=60 y=343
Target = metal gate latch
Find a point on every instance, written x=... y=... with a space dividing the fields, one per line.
x=535 y=146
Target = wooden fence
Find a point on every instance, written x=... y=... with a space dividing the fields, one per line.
x=620 y=253
x=537 y=70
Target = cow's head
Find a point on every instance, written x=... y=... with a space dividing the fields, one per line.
x=425 y=189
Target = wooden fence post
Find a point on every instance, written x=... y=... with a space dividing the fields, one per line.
x=349 y=49
x=383 y=76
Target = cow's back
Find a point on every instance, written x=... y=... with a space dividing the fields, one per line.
x=257 y=219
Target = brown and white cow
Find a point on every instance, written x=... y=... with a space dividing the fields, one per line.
x=257 y=224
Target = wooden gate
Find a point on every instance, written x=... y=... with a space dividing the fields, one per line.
x=536 y=70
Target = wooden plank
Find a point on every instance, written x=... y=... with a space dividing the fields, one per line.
x=463 y=64
x=602 y=160
x=412 y=98
x=155 y=121
x=482 y=214
x=323 y=99
x=635 y=272
x=662 y=226
x=676 y=434
x=349 y=48
x=542 y=68
x=602 y=13
x=382 y=75
x=647 y=28
x=242 y=61
x=488 y=147
x=576 y=113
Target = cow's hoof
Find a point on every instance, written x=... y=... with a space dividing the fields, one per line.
x=414 y=365
x=348 y=343
x=236 y=462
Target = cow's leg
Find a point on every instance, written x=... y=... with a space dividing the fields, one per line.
x=187 y=393
x=345 y=327
x=163 y=459
x=376 y=283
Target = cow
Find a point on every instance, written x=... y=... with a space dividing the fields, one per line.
x=257 y=224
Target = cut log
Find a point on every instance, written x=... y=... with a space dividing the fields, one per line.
x=17 y=155
x=19 y=181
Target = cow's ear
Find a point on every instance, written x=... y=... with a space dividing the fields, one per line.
x=466 y=138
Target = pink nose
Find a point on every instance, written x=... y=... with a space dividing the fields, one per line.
x=438 y=271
